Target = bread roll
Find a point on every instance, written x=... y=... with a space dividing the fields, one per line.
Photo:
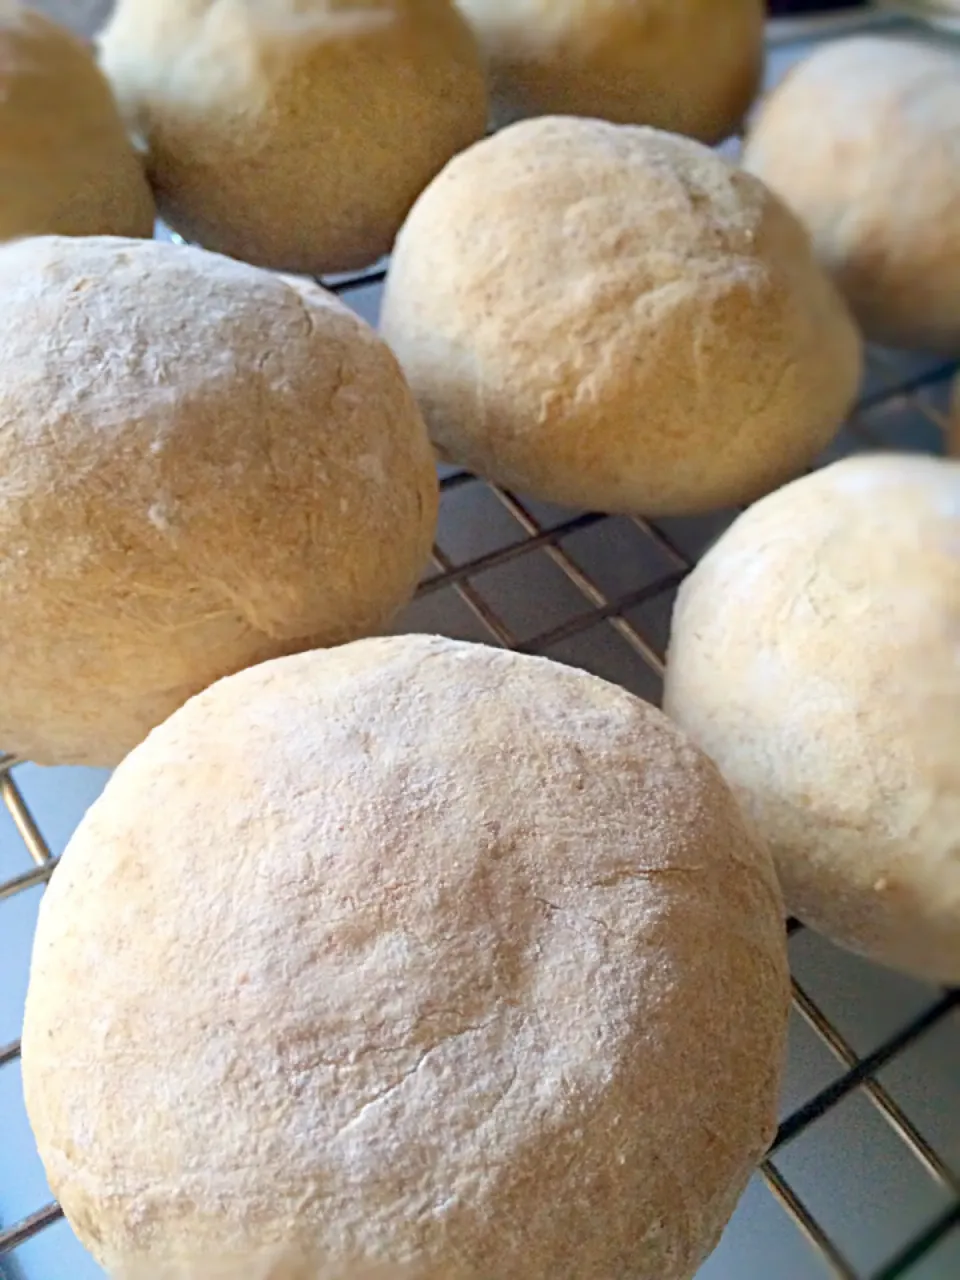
x=295 y=134
x=611 y=317
x=201 y=466
x=863 y=140
x=814 y=657
x=270 y=1264
x=411 y=952
x=66 y=164
x=691 y=66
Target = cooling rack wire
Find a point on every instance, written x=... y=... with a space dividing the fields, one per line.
x=597 y=591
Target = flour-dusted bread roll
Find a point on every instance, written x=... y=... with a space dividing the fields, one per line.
x=692 y=66
x=66 y=164
x=863 y=142
x=814 y=657
x=612 y=317
x=201 y=466
x=295 y=134
x=261 y=1264
x=410 y=952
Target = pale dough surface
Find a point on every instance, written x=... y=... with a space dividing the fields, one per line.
x=202 y=465
x=410 y=952
x=863 y=142
x=814 y=657
x=614 y=317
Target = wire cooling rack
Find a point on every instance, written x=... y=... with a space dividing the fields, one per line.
x=597 y=591
x=614 y=619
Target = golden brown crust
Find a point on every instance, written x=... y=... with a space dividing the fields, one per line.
x=409 y=952
x=202 y=467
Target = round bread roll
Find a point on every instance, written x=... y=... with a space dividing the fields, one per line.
x=295 y=134
x=395 y=954
x=691 y=66
x=202 y=466
x=66 y=164
x=814 y=657
x=611 y=317
x=863 y=142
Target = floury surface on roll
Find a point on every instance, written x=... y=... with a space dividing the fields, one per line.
x=295 y=134
x=201 y=466
x=690 y=66
x=862 y=140
x=814 y=657
x=263 y=1264
x=615 y=318
x=66 y=164
x=410 y=953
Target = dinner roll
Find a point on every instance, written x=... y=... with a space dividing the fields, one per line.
x=262 y=1264
x=66 y=164
x=611 y=317
x=295 y=134
x=269 y=1264
x=863 y=140
x=814 y=657
x=201 y=466
x=410 y=952
x=692 y=66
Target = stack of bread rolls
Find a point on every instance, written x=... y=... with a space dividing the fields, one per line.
x=385 y=956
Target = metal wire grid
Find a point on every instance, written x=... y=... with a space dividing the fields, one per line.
x=887 y=389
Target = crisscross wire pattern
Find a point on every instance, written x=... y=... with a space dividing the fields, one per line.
x=598 y=591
